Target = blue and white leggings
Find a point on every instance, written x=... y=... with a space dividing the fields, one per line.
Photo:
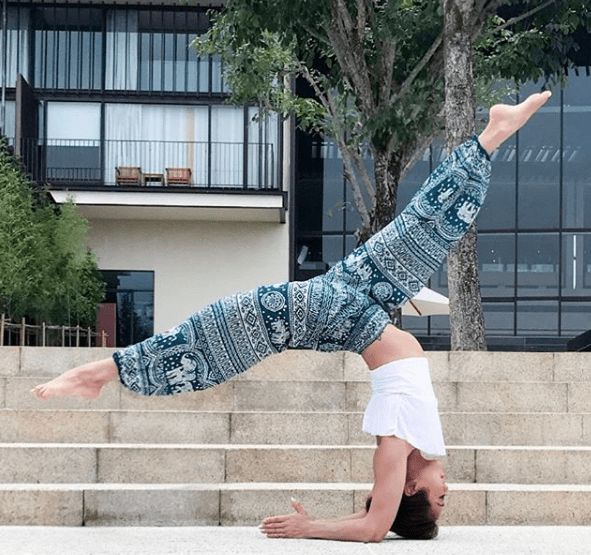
x=345 y=309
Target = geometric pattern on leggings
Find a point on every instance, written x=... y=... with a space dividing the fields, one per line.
x=396 y=262
x=345 y=309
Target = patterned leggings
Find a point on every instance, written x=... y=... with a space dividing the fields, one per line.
x=345 y=309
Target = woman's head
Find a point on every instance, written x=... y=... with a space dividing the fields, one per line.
x=423 y=499
x=414 y=519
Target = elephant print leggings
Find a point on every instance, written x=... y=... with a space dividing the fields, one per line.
x=345 y=309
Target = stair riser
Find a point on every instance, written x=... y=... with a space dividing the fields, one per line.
x=182 y=507
x=315 y=396
x=278 y=428
x=218 y=465
x=309 y=365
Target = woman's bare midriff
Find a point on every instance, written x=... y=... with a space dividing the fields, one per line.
x=393 y=344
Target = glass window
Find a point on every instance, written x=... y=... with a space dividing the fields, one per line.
x=73 y=141
x=10 y=118
x=577 y=151
x=496 y=260
x=68 y=47
x=499 y=318
x=155 y=137
x=227 y=146
x=537 y=318
x=263 y=150
x=498 y=212
x=318 y=254
x=576 y=264
x=17 y=51
x=576 y=317
x=133 y=294
x=537 y=264
x=539 y=164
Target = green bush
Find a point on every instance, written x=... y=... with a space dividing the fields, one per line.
x=46 y=271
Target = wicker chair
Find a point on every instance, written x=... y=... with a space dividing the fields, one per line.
x=129 y=175
x=178 y=176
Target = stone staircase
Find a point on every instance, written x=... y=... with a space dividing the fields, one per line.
x=517 y=426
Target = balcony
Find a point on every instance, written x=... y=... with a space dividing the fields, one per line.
x=171 y=179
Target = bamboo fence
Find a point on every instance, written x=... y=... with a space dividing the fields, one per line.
x=31 y=335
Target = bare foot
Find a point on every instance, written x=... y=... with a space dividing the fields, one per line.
x=84 y=381
x=506 y=119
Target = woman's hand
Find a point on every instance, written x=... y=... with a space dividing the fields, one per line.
x=294 y=525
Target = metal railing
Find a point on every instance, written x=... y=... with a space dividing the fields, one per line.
x=83 y=162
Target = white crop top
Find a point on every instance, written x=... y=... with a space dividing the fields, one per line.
x=403 y=404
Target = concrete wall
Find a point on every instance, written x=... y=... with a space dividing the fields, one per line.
x=194 y=263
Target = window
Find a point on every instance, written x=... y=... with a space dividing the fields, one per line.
x=73 y=141
x=68 y=47
x=133 y=294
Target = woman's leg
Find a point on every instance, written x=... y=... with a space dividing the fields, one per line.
x=395 y=263
x=214 y=344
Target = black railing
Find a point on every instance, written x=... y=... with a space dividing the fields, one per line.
x=86 y=162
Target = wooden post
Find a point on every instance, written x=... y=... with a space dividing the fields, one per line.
x=88 y=329
x=103 y=339
x=43 y=334
x=77 y=335
x=63 y=336
x=2 y=330
x=23 y=332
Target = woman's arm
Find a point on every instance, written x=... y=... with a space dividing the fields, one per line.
x=390 y=475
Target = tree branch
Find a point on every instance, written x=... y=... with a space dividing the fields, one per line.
x=525 y=15
x=418 y=68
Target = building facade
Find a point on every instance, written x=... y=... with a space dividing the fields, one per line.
x=534 y=244
x=108 y=104
x=98 y=92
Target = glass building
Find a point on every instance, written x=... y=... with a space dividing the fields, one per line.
x=534 y=245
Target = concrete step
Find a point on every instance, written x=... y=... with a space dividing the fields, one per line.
x=129 y=463
x=324 y=428
x=242 y=395
x=309 y=365
x=249 y=503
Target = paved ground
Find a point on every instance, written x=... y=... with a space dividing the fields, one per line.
x=37 y=540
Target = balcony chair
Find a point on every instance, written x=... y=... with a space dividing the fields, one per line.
x=178 y=176
x=129 y=175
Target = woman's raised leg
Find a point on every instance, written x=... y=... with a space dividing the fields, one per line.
x=395 y=263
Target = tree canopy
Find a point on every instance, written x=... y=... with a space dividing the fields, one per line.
x=46 y=272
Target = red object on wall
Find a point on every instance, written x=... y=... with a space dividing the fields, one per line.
x=106 y=320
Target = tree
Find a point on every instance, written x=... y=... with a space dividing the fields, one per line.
x=506 y=48
x=377 y=68
x=46 y=272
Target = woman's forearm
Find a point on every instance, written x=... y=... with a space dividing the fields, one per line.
x=354 y=529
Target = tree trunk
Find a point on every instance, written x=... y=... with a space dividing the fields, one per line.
x=466 y=317
x=387 y=168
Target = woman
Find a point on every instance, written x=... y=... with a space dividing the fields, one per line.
x=345 y=309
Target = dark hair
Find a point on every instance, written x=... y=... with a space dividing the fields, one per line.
x=414 y=519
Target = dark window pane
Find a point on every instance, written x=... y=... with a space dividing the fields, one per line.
x=133 y=293
x=577 y=151
x=539 y=164
x=537 y=318
x=498 y=318
x=576 y=264
x=537 y=264
x=498 y=212
x=496 y=259
x=576 y=318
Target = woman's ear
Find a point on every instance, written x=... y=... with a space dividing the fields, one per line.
x=410 y=488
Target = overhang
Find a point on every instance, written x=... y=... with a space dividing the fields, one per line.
x=246 y=206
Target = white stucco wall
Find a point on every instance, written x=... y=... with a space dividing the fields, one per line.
x=194 y=262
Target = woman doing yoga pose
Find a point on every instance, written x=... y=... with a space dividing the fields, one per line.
x=345 y=309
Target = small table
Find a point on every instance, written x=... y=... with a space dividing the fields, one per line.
x=151 y=179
